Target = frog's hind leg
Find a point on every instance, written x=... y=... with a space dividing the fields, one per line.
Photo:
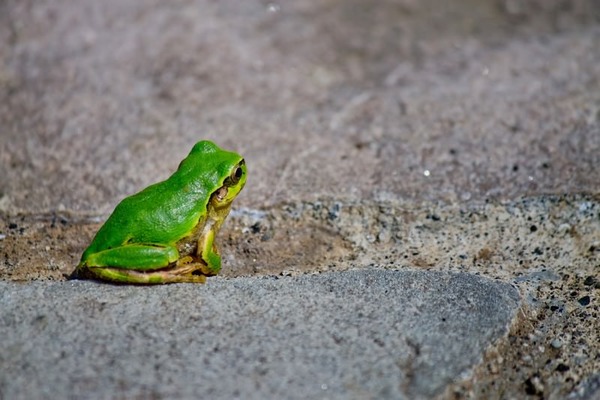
x=181 y=274
x=134 y=256
x=141 y=264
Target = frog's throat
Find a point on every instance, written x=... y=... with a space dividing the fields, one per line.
x=216 y=215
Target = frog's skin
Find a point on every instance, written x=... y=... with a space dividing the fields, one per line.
x=166 y=232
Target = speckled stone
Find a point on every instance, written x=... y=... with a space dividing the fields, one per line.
x=355 y=334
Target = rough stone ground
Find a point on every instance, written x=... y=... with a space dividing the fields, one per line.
x=422 y=137
x=340 y=343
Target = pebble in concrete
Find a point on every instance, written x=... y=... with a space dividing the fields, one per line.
x=355 y=334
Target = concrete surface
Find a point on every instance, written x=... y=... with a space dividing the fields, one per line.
x=457 y=137
x=354 y=334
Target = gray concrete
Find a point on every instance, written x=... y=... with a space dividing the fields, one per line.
x=355 y=334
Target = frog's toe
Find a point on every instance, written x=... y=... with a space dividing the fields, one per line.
x=78 y=273
x=193 y=278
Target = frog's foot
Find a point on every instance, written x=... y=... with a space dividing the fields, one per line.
x=188 y=273
x=188 y=263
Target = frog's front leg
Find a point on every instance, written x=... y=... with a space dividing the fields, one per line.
x=208 y=251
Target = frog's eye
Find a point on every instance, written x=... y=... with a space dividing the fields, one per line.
x=236 y=175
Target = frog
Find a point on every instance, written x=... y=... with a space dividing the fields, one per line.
x=166 y=232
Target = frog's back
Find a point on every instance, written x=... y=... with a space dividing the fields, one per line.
x=145 y=218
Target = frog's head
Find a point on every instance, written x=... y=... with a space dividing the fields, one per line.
x=231 y=187
x=219 y=173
